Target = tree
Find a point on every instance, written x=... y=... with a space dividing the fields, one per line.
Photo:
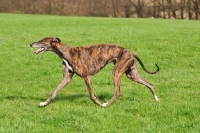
x=163 y=7
x=154 y=8
x=115 y=8
x=182 y=8
x=139 y=5
x=196 y=8
x=127 y=8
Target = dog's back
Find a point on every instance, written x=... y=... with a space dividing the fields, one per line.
x=94 y=58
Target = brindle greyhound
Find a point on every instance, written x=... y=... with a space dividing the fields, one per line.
x=86 y=61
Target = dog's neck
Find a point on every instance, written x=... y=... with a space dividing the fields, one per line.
x=62 y=50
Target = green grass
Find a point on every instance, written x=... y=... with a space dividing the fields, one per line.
x=27 y=79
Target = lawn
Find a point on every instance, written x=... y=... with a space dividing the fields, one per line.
x=27 y=79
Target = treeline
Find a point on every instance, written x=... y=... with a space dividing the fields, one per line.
x=175 y=9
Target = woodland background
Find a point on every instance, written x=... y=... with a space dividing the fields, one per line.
x=169 y=9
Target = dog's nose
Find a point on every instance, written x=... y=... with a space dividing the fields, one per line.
x=31 y=45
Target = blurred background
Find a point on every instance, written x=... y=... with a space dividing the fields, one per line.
x=169 y=9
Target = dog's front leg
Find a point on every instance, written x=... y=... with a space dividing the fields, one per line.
x=66 y=79
x=89 y=87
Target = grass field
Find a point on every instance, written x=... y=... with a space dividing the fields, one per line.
x=27 y=79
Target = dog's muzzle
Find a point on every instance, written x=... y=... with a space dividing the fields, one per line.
x=40 y=50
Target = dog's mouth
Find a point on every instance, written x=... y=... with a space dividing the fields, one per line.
x=40 y=50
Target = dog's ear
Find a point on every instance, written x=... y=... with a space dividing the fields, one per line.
x=56 y=40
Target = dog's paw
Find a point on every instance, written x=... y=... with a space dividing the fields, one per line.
x=42 y=104
x=157 y=99
x=104 y=105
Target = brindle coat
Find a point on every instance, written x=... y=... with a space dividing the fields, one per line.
x=86 y=61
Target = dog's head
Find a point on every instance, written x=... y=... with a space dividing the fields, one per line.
x=46 y=44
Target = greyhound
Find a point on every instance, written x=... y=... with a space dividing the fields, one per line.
x=86 y=61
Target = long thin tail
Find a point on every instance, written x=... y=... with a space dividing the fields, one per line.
x=144 y=66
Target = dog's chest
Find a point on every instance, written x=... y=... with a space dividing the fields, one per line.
x=67 y=64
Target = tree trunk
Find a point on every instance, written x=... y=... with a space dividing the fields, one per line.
x=163 y=8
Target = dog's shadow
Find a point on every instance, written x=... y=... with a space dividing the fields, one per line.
x=70 y=98
x=62 y=98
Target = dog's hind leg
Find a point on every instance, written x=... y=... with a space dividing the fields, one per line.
x=134 y=76
x=67 y=76
x=89 y=87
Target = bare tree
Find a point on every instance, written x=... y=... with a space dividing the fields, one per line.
x=154 y=8
x=182 y=8
x=171 y=4
x=68 y=7
x=157 y=8
x=163 y=7
x=104 y=4
x=90 y=7
x=189 y=7
x=196 y=8
x=115 y=8
x=95 y=8
x=49 y=6
x=127 y=8
x=79 y=8
x=4 y=8
x=61 y=7
x=139 y=6
x=174 y=7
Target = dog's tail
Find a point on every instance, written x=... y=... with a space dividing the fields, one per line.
x=144 y=66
